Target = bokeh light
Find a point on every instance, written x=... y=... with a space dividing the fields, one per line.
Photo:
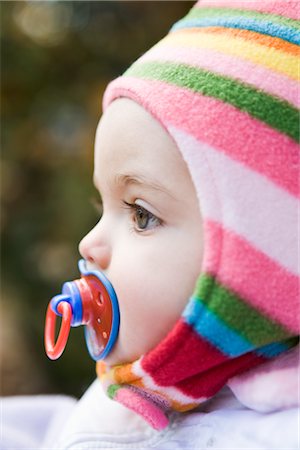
x=46 y=23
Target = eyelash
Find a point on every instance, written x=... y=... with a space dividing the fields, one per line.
x=134 y=208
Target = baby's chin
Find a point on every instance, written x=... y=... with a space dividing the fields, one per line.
x=121 y=355
x=113 y=359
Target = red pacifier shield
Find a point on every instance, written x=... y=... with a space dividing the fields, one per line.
x=90 y=301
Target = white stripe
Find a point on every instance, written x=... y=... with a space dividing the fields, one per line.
x=170 y=392
x=242 y=200
x=257 y=76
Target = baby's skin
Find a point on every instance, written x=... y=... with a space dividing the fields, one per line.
x=149 y=240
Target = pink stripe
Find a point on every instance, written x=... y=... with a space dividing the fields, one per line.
x=140 y=405
x=260 y=77
x=266 y=285
x=287 y=8
x=240 y=136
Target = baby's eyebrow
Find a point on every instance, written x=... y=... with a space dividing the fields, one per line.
x=121 y=179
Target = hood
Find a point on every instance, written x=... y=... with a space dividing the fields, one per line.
x=223 y=83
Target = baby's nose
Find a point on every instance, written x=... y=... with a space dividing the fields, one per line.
x=94 y=249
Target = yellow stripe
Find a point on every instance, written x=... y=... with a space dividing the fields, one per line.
x=271 y=58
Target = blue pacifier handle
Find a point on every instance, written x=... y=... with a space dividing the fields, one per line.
x=70 y=294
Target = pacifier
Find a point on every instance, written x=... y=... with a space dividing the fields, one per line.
x=90 y=301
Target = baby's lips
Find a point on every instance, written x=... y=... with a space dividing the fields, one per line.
x=90 y=301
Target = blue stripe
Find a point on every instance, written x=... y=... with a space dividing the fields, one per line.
x=209 y=326
x=265 y=27
x=272 y=350
x=214 y=330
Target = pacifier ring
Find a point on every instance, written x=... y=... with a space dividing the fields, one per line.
x=55 y=350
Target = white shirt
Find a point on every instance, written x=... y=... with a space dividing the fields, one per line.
x=96 y=422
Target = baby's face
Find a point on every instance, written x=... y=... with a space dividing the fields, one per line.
x=149 y=241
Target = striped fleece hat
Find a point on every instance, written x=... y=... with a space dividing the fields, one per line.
x=223 y=83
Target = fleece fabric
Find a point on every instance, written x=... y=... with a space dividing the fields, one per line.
x=224 y=84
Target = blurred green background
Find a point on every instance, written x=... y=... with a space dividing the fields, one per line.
x=56 y=59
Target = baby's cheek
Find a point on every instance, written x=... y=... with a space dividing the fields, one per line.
x=141 y=324
x=152 y=292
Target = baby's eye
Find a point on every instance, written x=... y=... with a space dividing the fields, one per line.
x=143 y=219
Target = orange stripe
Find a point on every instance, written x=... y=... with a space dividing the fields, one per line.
x=123 y=374
x=176 y=405
x=118 y=374
x=183 y=408
x=100 y=368
x=261 y=39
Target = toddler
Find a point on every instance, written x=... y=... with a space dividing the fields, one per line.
x=196 y=160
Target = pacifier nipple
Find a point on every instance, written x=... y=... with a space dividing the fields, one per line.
x=90 y=301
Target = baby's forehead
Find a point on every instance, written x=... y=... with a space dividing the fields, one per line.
x=132 y=143
x=126 y=120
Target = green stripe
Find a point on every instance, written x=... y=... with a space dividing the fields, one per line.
x=237 y=314
x=277 y=113
x=112 y=390
x=196 y=13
